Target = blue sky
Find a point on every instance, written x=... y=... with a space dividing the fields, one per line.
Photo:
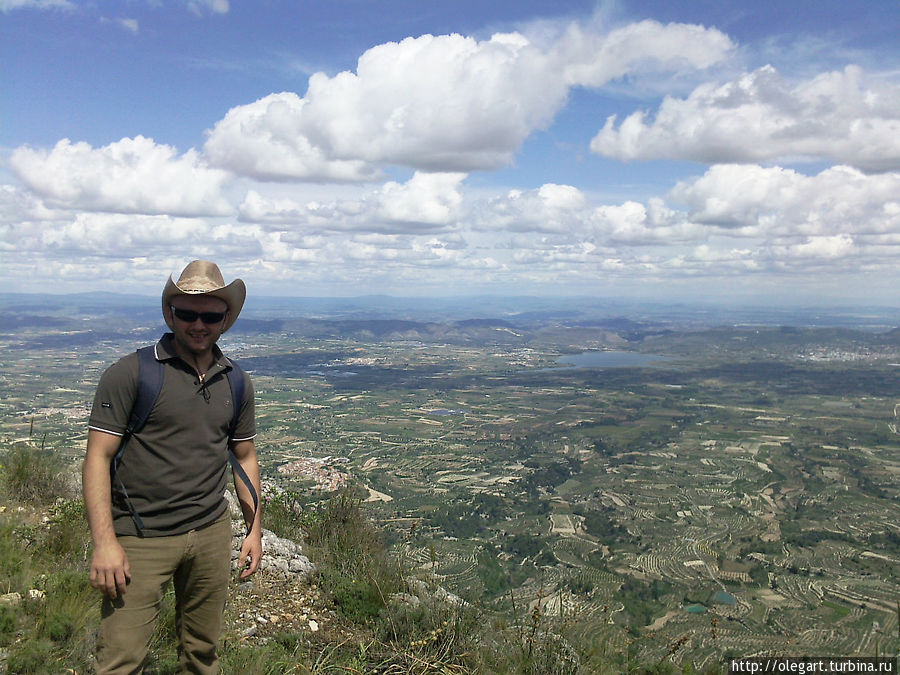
x=727 y=151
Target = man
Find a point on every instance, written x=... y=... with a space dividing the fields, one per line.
x=160 y=514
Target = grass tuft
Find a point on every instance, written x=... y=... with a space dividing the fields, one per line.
x=33 y=476
x=32 y=657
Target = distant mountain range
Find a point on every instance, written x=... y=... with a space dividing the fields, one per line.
x=385 y=314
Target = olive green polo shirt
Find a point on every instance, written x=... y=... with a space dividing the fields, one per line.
x=175 y=468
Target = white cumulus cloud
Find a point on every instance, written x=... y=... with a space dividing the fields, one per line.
x=134 y=175
x=200 y=7
x=760 y=117
x=550 y=208
x=9 y=5
x=427 y=199
x=565 y=213
x=426 y=202
x=836 y=246
x=634 y=224
x=591 y=59
x=755 y=201
x=445 y=103
x=106 y=234
x=267 y=140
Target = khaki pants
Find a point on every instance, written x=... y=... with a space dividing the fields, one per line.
x=199 y=564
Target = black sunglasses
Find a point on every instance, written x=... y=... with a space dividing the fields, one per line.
x=190 y=316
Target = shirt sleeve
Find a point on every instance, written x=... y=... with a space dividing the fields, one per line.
x=115 y=396
x=246 y=423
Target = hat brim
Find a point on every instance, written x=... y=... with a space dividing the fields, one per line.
x=233 y=294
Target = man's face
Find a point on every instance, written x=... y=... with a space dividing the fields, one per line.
x=196 y=337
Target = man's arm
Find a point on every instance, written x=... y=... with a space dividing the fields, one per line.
x=110 y=571
x=251 y=549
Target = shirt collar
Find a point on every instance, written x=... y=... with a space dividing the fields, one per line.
x=165 y=351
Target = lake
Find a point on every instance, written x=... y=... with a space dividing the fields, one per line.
x=610 y=359
x=724 y=598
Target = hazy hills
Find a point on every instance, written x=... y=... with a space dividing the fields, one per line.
x=518 y=311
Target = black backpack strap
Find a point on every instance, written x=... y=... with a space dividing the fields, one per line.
x=236 y=382
x=239 y=472
x=149 y=384
x=150 y=381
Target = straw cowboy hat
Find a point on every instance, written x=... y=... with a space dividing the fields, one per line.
x=204 y=278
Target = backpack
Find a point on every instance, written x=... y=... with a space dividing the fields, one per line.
x=150 y=379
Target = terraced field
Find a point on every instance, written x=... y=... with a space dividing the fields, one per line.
x=741 y=504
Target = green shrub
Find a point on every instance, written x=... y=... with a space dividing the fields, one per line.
x=434 y=632
x=493 y=577
x=268 y=659
x=67 y=615
x=8 y=624
x=283 y=514
x=70 y=583
x=288 y=641
x=580 y=584
x=15 y=561
x=33 y=476
x=360 y=600
x=60 y=627
x=352 y=558
x=68 y=536
x=31 y=657
x=341 y=531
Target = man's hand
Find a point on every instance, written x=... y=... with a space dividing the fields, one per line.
x=110 y=571
x=251 y=549
x=251 y=554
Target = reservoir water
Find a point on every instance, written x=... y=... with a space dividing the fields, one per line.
x=610 y=359
x=724 y=598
